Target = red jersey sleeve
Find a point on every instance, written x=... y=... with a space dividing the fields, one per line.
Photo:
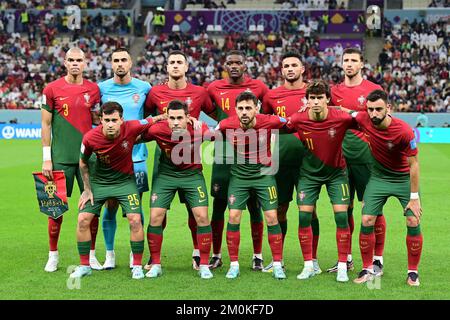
x=277 y=122
x=137 y=127
x=48 y=99
x=149 y=134
x=86 y=149
x=410 y=143
x=266 y=105
x=207 y=105
x=149 y=106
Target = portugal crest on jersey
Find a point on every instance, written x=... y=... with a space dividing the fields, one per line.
x=154 y=197
x=125 y=145
x=87 y=97
x=136 y=98
x=232 y=199
x=332 y=132
x=361 y=100
x=216 y=187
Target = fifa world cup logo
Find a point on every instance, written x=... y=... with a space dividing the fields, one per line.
x=50 y=189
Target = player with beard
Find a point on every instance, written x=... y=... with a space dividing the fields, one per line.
x=395 y=172
x=223 y=93
x=285 y=101
x=351 y=94
x=130 y=93
x=197 y=100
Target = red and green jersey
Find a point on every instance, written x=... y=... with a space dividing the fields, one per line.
x=284 y=103
x=224 y=94
x=356 y=150
x=114 y=163
x=70 y=106
x=251 y=146
x=323 y=142
x=196 y=98
x=174 y=161
x=390 y=147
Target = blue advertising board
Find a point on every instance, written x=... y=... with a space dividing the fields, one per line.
x=20 y=131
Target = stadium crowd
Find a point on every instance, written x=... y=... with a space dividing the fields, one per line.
x=60 y=4
x=47 y=24
x=413 y=66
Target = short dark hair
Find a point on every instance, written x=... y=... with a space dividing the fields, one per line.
x=121 y=49
x=178 y=105
x=318 y=87
x=376 y=95
x=245 y=96
x=110 y=107
x=353 y=50
x=174 y=52
x=236 y=53
x=292 y=54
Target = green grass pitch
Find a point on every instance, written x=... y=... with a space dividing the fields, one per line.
x=24 y=247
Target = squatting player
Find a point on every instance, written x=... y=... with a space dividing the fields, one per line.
x=284 y=101
x=223 y=93
x=180 y=169
x=250 y=135
x=113 y=177
x=322 y=130
x=351 y=94
x=395 y=172
x=68 y=112
x=197 y=100
x=130 y=93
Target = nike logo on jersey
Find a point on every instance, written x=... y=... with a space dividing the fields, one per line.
x=280 y=101
x=163 y=102
x=306 y=132
x=222 y=93
x=339 y=100
x=200 y=201
x=62 y=99
x=134 y=208
x=272 y=202
x=344 y=199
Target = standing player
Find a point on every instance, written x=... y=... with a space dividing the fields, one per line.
x=180 y=169
x=197 y=100
x=130 y=93
x=351 y=94
x=68 y=110
x=284 y=101
x=113 y=177
x=395 y=172
x=322 y=131
x=223 y=93
x=250 y=133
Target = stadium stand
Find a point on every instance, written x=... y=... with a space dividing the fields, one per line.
x=60 y=4
x=414 y=66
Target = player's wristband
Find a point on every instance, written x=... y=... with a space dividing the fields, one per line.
x=414 y=196
x=46 y=154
